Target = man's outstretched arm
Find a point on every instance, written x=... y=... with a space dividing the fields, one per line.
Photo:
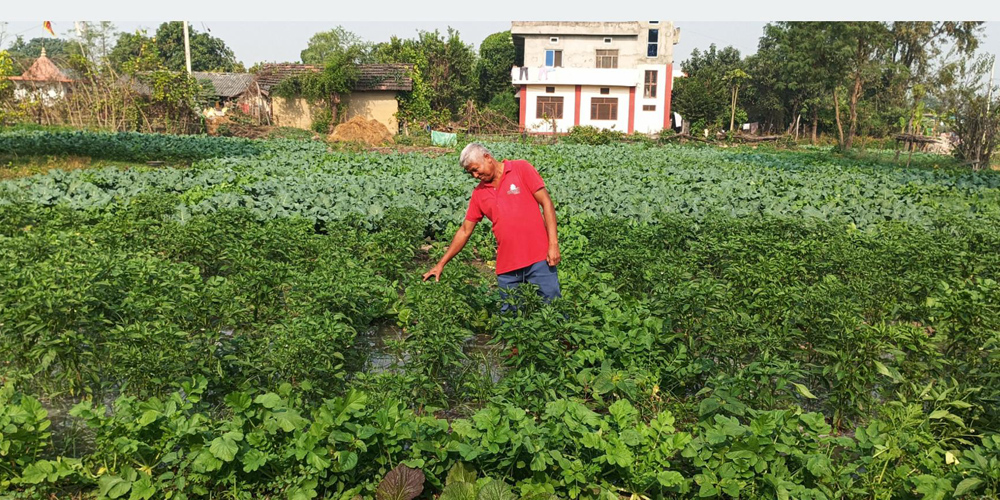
x=549 y=217
x=457 y=243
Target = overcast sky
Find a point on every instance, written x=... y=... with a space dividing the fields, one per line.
x=282 y=41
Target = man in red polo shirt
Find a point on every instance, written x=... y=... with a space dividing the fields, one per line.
x=509 y=194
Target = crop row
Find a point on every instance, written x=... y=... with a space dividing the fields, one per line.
x=633 y=182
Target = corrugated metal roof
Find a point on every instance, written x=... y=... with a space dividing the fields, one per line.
x=226 y=84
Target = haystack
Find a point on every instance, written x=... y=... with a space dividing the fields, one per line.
x=358 y=129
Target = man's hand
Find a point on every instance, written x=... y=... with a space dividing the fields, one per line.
x=435 y=271
x=553 y=257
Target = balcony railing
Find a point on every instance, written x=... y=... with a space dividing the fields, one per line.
x=541 y=75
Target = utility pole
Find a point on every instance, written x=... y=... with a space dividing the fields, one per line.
x=187 y=48
x=989 y=91
x=986 y=119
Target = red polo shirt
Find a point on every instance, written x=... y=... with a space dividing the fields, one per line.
x=515 y=214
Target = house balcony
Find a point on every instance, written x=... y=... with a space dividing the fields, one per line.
x=610 y=77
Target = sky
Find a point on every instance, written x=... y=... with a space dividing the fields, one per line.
x=270 y=31
x=282 y=41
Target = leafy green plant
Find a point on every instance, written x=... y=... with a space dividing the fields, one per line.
x=24 y=432
x=731 y=318
x=401 y=483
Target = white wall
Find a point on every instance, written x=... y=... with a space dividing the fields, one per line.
x=46 y=92
x=621 y=93
x=580 y=41
x=581 y=51
x=650 y=122
x=567 y=92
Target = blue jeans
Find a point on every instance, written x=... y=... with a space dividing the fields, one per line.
x=541 y=274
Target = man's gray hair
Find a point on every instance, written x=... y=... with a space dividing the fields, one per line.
x=473 y=153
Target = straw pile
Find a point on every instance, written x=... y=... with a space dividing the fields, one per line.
x=358 y=129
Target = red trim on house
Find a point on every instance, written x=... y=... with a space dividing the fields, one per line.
x=579 y=102
x=524 y=105
x=669 y=87
x=631 y=109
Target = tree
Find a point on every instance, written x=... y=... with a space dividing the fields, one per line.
x=703 y=96
x=23 y=53
x=734 y=78
x=862 y=43
x=790 y=76
x=918 y=47
x=819 y=58
x=326 y=44
x=972 y=108
x=208 y=53
x=94 y=41
x=132 y=47
x=443 y=78
x=7 y=111
x=496 y=56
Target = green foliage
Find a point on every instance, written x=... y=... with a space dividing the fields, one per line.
x=971 y=114
x=505 y=104
x=321 y=121
x=8 y=114
x=874 y=69
x=325 y=45
x=594 y=136
x=401 y=483
x=25 y=432
x=444 y=76
x=208 y=53
x=125 y=146
x=737 y=322
x=290 y=133
x=340 y=73
x=135 y=52
x=23 y=53
x=704 y=95
x=496 y=56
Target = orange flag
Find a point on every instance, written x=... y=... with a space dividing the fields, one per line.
x=48 y=27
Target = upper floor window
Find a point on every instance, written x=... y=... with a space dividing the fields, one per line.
x=607 y=58
x=553 y=58
x=607 y=40
x=652 y=48
x=554 y=39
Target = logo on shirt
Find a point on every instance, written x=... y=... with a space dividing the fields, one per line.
x=513 y=189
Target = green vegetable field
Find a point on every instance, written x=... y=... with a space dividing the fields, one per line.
x=735 y=323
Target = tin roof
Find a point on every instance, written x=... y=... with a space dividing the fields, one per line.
x=226 y=84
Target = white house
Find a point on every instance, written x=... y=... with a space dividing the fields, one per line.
x=612 y=75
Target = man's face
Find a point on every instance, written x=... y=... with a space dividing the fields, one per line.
x=483 y=170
